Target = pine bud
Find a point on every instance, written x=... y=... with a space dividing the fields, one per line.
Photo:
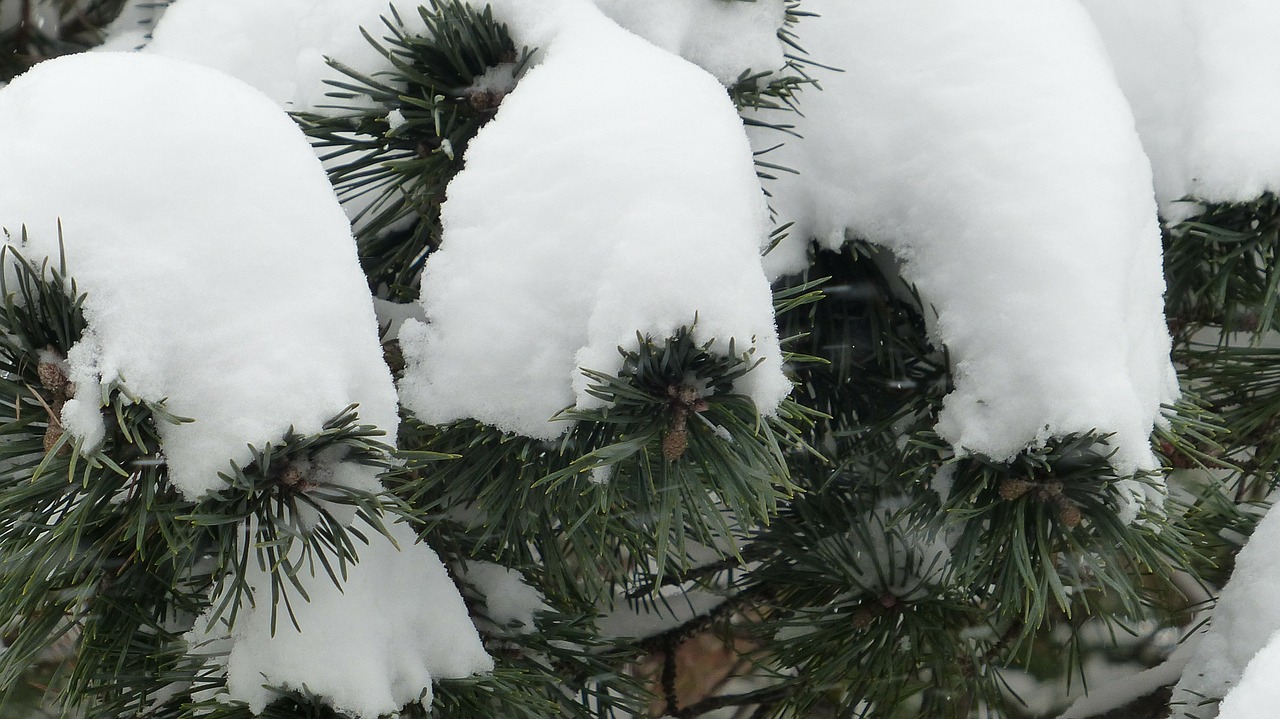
x=1012 y=489
x=674 y=442
x=52 y=434
x=291 y=476
x=1050 y=490
x=863 y=617
x=1069 y=513
x=53 y=379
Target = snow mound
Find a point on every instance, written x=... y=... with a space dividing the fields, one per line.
x=990 y=148
x=549 y=263
x=724 y=38
x=1245 y=621
x=247 y=316
x=1257 y=694
x=1201 y=79
x=280 y=46
x=413 y=626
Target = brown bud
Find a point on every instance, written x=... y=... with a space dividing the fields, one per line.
x=888 y=601
x=1050 y=490
x=1069 y=513
x=674 y=442
x=51 y=436
x=1012 y=489
x=863 y=617
x=685 y=395
x=53 y=379
x=291 y=476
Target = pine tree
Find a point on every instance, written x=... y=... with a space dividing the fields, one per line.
x=675 y=547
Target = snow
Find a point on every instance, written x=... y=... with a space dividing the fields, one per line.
x=989 y=147
x=280 y=46
x=663 y=225
x=367 y=649
x=1244 y=621
x=724 y=38
x=1200 y=77
x=249 y=317
x=1110 y=692
x=1257 y=694
x=891 y=554
x=676 y=606
x=509 y=601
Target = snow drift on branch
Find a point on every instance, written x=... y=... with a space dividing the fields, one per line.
x=280 y=47
x=221 y=278
x=987 y=144
x=614 y=193
x=1242 y=633
x=368 y=649
x=1201 y=77
x=724 y=38
x=220 y=271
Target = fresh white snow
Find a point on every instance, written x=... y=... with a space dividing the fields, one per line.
x=508 y=599
x=1244 y=621
x=221 y=278
x=1200 y=75
x=1257 y=694
x=246 y=315
x=549 y=263
x=367 y=649
x=280 y=46
x=988 y=145
x=724 y=38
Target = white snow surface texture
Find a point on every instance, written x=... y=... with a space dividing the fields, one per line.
x=614 y=193
x=1244 y=632
x=220 y=276
x=724 y=38
x=280 y=46
x=987 y=144
x=1258 y=693
x=220 y=272
x=1201 y=77
x=368 y=649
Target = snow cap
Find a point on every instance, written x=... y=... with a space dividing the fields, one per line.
x=614 y=193
x=988 y=146
x=219 y=271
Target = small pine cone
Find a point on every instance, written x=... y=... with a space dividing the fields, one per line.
x=674 y=442
x=863 y=617
x=51 y=436
x=685 y=395
x=291 y=476
x=485 y=100
x=52 y=379
x=1012 y=489
x=1050 y=490
x=1069 y=513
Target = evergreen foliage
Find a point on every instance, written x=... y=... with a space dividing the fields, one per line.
x=855 y=565
x=447 y=83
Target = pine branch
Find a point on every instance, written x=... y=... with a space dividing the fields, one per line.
x=629 y=484
x=393 y=142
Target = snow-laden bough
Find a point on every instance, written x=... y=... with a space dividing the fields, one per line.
x=221 y=281
x=613 y=194
x=989 y=147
